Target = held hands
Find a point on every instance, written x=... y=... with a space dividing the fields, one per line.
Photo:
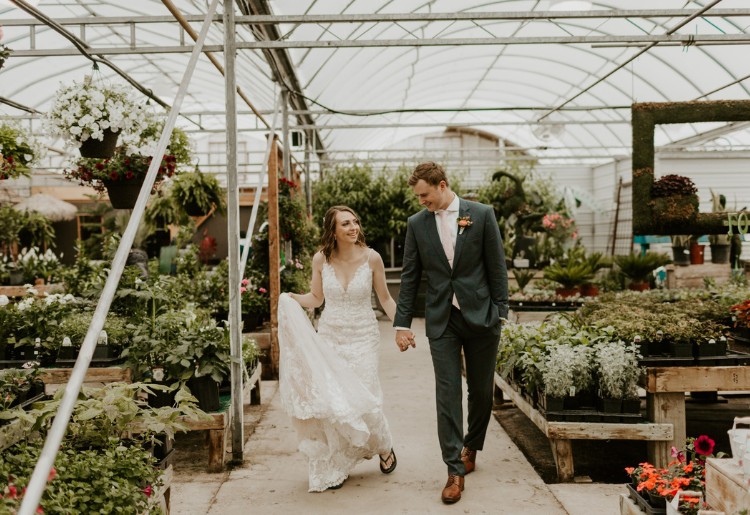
x=405 y=339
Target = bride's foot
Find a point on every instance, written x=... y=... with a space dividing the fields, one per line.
x=388 y=463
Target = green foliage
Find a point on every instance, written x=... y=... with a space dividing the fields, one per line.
x=523 y=276
x=638 y=267
x=383 y=200
x=111 y=480
x=18 y=151
x=570 y=274
x=198 y=189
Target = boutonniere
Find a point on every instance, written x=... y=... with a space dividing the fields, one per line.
x=463 y=223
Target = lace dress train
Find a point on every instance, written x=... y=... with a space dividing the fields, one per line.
x=328 y=380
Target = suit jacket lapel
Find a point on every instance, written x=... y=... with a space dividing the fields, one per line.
x=431 y=223
x=463 y=210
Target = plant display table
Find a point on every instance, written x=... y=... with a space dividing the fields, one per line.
x=665 y=399
x=55 y=377
x=562 y=434
x=20 y=291
x=219 y=425
x=726 y=488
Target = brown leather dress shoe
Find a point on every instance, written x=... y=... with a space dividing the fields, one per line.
x=453 y=489
x=469 y=458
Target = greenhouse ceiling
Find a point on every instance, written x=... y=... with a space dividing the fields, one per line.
x=555 y=78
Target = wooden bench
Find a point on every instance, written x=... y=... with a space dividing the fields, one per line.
x=54 y=378
x=665 y=399
x=561 y=434
x=219 y=426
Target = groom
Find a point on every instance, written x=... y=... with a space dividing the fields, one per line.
x=456 y=244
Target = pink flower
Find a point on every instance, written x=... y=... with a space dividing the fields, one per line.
x=678 y=454
x=52 y=474
x=148 y=491
x=262 y=290
x=243 y=289
x=245 y=282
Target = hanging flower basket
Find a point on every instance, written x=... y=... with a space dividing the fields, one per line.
x=123 y=194
x=100 y=149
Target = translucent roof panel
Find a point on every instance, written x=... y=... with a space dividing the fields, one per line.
x=372 y=73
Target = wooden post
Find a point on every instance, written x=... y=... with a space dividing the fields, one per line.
x=562 y=451
x=666 y=408
x=273 y=252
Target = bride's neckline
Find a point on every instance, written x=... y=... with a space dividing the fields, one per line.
x=345 y=289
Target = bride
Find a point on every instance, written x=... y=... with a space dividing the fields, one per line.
x=328 y=380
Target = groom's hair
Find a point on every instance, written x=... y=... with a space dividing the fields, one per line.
x=430 y=172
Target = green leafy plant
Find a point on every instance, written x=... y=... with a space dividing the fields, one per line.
x=617 y=370
x=523 y=277
x=18 y=151
x=198 y=191
x=569 y=274
x=638 y=267
x=4 y=54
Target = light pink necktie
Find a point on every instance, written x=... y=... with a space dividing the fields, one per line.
x=446 y=235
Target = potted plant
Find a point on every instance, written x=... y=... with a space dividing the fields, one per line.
x=617 y=371
x=637 y=267
x=569 y=275
x=18 y=151
x=680 y=249
x=121 y=175
x=674 y=199
x=198 y=193
x=720 y=243
x=557 y=377
x=741 y=320
x=256 y=306
x=90 y=115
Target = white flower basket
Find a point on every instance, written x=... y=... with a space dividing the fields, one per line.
x=673 y=506
x=85 y=110
x=738 y=438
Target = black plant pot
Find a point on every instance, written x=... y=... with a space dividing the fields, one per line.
x=100 y=149
x=159 y=398
x=681 y=256
x=610 y=405
x=193 y=209
x=631 y=406
x=206 y=390
x=549 y=403
x=704 y=349
x=681 y=350
x=123 y=194
x=720 y=254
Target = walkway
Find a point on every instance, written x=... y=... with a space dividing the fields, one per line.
x=273 y=479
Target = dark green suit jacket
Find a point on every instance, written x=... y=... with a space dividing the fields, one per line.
x=479 y=277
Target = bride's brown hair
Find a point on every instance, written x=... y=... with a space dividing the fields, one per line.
x=328 y=241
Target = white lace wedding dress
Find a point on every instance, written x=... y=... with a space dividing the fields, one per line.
x=328 y=381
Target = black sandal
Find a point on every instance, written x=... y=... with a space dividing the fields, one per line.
x=336 y=487
x=383 y=462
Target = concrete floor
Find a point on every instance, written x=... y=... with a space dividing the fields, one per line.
x=273 y=477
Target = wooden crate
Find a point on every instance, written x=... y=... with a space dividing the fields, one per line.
x=726 y=488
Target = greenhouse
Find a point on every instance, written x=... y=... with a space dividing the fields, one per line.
x=277 y=256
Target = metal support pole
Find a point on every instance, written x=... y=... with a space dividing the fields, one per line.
x=259 y=190
x=308 y=179
x=60 y=423
x=233 y=229
x=286 y=161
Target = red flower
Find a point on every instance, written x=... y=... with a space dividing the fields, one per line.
x=114 y=176
x=148 y=491
x=704 y=446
